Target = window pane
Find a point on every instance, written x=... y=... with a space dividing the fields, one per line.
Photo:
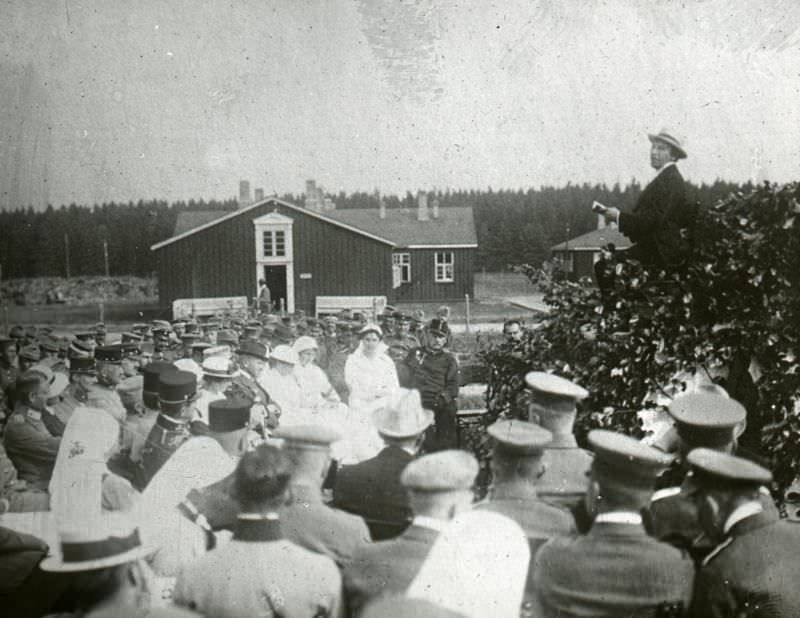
x=267 y=244
x=280 y=243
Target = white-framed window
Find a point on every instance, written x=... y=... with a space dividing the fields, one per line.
x=403 y=262
x=444 y=267
x=274 y=243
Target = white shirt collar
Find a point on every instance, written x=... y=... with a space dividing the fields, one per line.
x=619 y=517
x=258 y=516
x=743 y=511
x=665 y=166
x=429 y=522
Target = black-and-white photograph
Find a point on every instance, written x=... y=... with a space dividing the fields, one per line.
x=399 y=308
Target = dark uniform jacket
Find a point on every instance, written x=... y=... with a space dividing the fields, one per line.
x=435 y=376
x=615 y=569
x=540 y=521
x=31 y=447
x=565 y=478
x=372 y=488
x=387 y=567
x=163 y=440
x=656 y=223
x=753 y=572
x=312 y=524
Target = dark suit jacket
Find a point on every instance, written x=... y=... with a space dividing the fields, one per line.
x=372 y=488
x=656 y=222
x=387 y=567
x=613 y=570
x=753 y=573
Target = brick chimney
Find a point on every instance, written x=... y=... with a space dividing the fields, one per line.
x=382 y=208
x=435 y=209
x=259 y=194
x=244 y=193
x=422 y=202
x=601 y=222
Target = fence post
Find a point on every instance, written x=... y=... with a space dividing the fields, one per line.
x=467 y=298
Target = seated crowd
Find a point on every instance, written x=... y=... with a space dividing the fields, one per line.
x=303 y=467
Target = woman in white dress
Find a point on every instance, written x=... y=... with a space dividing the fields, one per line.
x=315 y=387
x=369 y=373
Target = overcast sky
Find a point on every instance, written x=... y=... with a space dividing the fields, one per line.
x=118 y=100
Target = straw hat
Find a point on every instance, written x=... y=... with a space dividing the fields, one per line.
x=403 y=417
x=666 y=137
x=111 y=541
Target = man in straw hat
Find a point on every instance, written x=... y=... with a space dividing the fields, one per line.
x=751 y=572
x=108 y=572
x=616 y=568
x=372 y=488
x=307 y=520
x=439 y=487
x=553 y=405
x=252 y=357
x=660 y=223
x=260 y=572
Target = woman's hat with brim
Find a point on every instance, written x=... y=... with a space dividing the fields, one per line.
x=108 y=542
x=304 y=344
x=403 y=416
x=284 y=354
x=667 y=138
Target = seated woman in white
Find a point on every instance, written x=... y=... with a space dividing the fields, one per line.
x=281 y=384
x=369 y=373
x=315 y=387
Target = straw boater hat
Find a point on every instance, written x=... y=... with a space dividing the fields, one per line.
x=285 y=354
x=403 y=417
x=218 y=367
x=109 y=542
x=667 y=138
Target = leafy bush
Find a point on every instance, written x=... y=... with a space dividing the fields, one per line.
x=731 y=310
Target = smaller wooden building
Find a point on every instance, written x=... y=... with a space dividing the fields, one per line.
x=579 y=254
x=407 y=255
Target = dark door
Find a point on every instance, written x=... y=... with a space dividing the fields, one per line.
x=275 y=277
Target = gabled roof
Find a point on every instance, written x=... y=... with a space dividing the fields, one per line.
x=215 y=217
x=454 y=227
x=594 y=240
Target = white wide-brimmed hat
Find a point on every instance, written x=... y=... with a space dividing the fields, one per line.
x=111 y=540
x=305 y=343
x=666 y=136
x=218 y=367
x=284 y=354
x=403 y=416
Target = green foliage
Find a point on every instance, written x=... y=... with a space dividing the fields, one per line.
x=731 y=310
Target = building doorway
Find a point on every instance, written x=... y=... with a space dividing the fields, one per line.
x=275 y=276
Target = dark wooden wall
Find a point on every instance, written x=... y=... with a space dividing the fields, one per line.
x=220 y=261
x=423 y=286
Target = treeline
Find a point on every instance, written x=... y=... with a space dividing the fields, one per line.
x=513 y=226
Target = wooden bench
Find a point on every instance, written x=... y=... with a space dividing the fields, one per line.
x=204 y=307
x=331 y=305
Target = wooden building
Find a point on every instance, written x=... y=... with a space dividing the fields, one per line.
x=407 y=255
x=578 y=255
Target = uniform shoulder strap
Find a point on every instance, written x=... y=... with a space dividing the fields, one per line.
x=716 y=551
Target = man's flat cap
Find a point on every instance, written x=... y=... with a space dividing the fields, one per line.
x=624 y=460
x=443 y=471
x=519 y=438
x=706 y=420
x=716 y=469
x=307 y=437
x=554 y=386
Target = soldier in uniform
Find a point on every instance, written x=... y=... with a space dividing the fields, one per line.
x=28 y=356
x=30 y=446
x=372 y=487
x=616 y=568
x=9 y=369
x=552 y=405
x=141 y=424
x=751 y=572
x=165 y=348
x=308 y=521
x=517 y=453
x=439 y=487
x=401 y=342
x=82 y=375
x=271 y=574
x=50 y=358
x=177 y=391
x=702 y=421
x=103 y=393
x=434 y=372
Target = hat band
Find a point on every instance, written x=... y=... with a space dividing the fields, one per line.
x=97 y=550
x=174 y=401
